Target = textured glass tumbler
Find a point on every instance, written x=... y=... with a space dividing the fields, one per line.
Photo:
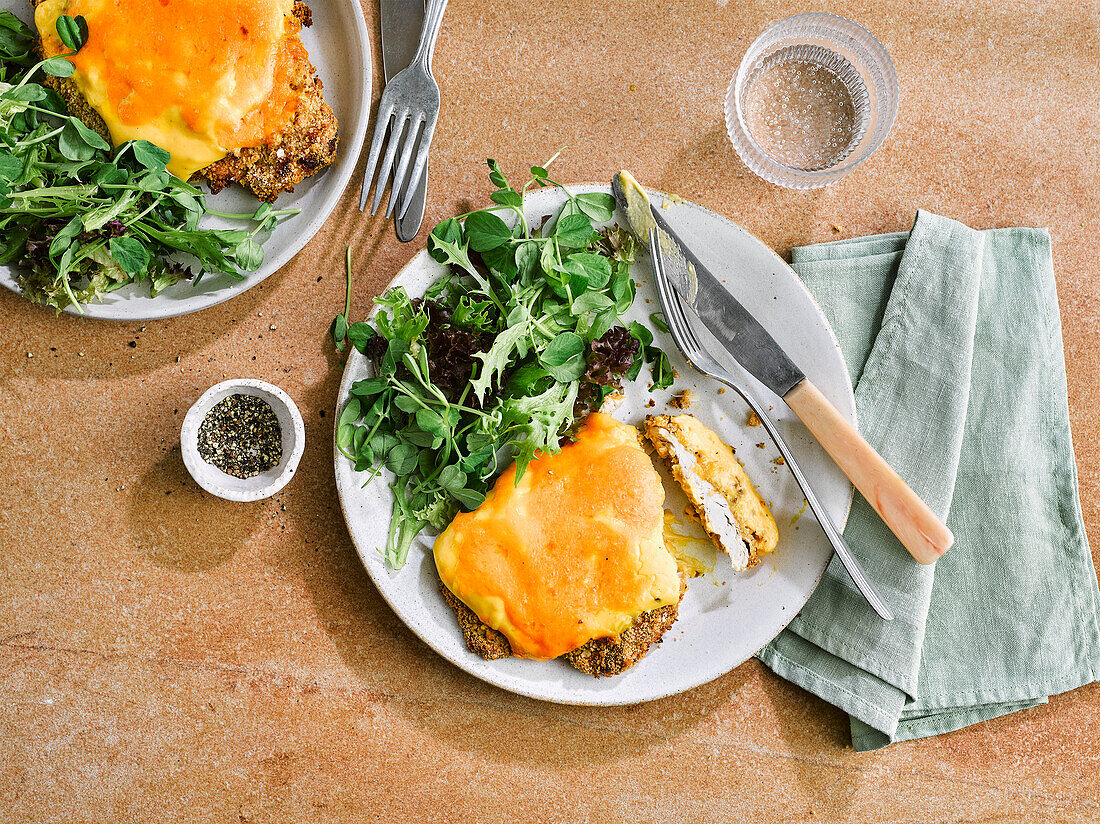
x=814 y=97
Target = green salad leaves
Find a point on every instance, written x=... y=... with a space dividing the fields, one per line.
x=518 y=340
x=80 y=220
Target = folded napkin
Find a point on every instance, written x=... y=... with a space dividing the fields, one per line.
x=954 y=344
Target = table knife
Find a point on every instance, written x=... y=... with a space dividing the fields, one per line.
x=918 y=528
x=402 y=21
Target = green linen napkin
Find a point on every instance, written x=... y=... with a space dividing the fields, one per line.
x=954 y=343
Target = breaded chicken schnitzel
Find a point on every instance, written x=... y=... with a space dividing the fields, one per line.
x=569 y=561
x=722 y=497
x=305 y=145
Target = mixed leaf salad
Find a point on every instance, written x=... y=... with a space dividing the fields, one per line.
x=517 y=341
x=80 y=219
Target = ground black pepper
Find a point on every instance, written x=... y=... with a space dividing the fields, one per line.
x=240 y=435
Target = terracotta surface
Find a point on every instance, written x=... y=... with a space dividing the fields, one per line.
x=169 y=656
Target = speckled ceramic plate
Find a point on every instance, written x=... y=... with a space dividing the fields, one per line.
x=339 y=48
x=726 y=616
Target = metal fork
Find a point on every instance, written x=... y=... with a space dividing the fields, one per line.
x=702 y=361
x=411 y=99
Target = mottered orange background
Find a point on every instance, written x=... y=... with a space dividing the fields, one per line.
x=167 y=656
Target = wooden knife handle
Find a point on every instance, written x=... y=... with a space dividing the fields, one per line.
x=909 y=518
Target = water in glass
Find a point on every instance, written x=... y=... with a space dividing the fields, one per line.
x=806 y=107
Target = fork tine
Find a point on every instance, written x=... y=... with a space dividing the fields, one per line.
x=675 y=305
x=407 y=148
x=673 y=312
x=418 y=169
x=676 y=323
x=679 y=324
x=381 y=123
x=686 y=331
x=398 y=128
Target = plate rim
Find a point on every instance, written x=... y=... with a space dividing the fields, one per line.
x=365 y=555
x=332 y=194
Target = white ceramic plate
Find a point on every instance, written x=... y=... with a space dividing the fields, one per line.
x=339 y=48
x=726 y=616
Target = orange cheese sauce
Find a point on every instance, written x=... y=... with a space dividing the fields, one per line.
x=575 y=551
x=204 y=77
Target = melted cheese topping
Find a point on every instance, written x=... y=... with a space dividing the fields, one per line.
x=573 y=552
x=197 y=78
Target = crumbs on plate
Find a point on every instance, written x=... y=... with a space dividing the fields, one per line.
x=682 y=400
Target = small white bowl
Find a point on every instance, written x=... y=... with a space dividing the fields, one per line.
x=227 y=486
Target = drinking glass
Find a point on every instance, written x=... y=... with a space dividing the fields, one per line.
x=814 y=97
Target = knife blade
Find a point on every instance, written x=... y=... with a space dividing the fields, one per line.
x=402 y=21
x=742 y=334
